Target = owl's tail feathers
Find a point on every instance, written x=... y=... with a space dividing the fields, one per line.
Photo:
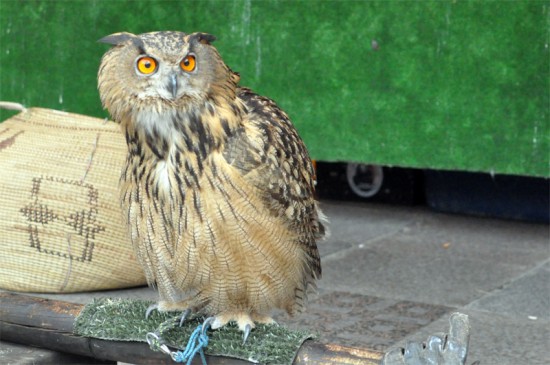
x=323 y=222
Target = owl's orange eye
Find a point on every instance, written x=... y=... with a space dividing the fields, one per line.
x=188 y=64
x=146 y=65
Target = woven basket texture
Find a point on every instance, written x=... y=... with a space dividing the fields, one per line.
x=61 y=227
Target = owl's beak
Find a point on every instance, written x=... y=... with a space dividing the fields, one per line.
x=173 y=85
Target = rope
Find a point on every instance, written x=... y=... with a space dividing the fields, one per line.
x=197 y=341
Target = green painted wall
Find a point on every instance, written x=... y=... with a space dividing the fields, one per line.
x=451 y=85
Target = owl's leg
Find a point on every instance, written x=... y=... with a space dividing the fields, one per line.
x=164 y=306
x=259 y=318
x=241 y=318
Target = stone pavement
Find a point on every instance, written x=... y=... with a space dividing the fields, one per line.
x=393 y=274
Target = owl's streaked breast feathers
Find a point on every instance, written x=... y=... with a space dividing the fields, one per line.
x=218 y=188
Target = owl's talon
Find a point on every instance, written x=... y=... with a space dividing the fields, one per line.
x=206 y=324
x=184 y=316
x=150 y=308
x=247 y=329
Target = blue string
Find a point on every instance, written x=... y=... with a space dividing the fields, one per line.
x=197 y=342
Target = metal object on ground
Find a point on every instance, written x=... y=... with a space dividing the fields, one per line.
x=439 y=349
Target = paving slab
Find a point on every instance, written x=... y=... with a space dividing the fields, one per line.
x=526 y=297
x=352 y=224
x=431 y=257
x=410 y=269
x=506 y=241
x=363 y=321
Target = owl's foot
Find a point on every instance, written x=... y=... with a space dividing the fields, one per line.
x=162 y=307
x=245 y=321
x=245 y=324
x=258 y=318
x=241 y=318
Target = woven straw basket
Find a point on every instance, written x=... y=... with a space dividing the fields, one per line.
x=61 y=224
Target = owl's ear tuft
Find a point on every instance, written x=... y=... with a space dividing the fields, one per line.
x=203 y=38
x=116 y=39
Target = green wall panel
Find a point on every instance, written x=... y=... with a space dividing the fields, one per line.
x=461 y=85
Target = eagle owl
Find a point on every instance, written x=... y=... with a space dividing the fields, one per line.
x=217 y=188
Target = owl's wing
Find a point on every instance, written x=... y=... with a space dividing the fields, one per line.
x=269 y=153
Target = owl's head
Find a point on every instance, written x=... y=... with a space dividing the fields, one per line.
x=161 y=70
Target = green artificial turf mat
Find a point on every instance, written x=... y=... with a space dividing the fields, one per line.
x=124 y=320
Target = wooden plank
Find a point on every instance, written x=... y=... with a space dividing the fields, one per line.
x=49 y=324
